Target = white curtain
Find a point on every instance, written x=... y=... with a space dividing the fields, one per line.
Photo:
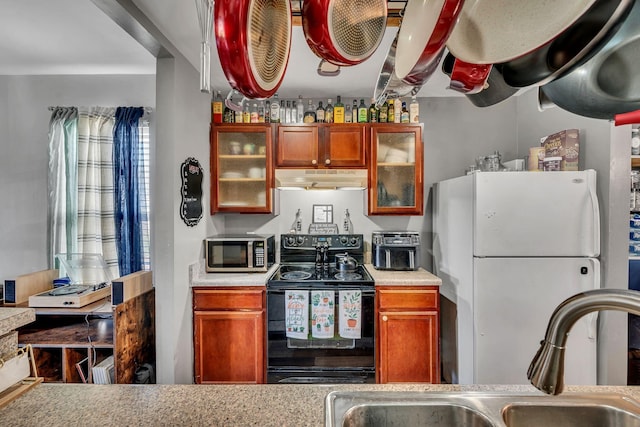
x=62 y=182
x=96 y=225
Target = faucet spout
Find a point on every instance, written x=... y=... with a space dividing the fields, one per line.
x=546 y=371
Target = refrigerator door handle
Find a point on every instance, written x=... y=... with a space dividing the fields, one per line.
x=595 y=207
x=592 y=325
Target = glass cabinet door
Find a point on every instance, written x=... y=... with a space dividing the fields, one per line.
x=395 y=177
x=241 y=177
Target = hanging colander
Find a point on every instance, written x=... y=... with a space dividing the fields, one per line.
x=344 y=32
x=253 y=38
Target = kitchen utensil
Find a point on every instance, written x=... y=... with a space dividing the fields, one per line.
x=205 y=21
x=425 y=28
x=344 y=32
x=345 y=263
x=629 y=118
x=469 y=78
x=253 y=56
x=389 y=85
x=571 y=48
x=496 y=31
x=495 y=91
x=609 y=83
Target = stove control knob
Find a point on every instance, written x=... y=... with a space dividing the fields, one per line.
x=343 y=240
x=300 y=240
x=291 y=241
x=354 y=241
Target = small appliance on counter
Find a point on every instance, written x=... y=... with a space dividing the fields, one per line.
x=239 y=253
x=395 y=250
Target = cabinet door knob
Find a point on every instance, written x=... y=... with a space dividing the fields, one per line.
x=314 y=162
x=385 y=318
x=327 y=162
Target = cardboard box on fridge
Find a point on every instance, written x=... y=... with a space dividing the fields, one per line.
x=565 y=144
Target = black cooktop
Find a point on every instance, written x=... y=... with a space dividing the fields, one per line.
x=307 y=274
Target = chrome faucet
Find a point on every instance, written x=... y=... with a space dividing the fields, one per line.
x=546 y=371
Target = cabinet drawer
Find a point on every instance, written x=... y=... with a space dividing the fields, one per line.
x=407 y=299
x=229 y=299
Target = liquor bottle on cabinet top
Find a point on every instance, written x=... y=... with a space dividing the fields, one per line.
x=354 y=111
x=373 y=112
x=391 y=112
x=299 y=110
x=404 y=116
x=267 y=112
x=310 y=114
x=238 y=116
x=328 y=112
x=288 y=112
x=363 y=112
x=246 y=114
x=348 y=115
x=414 y=110
x=274 y=111
x=384 y=113
x=397 y=114
x=283 y=112
x=216 y=107
x=320 y=113
x=228 y=116
x=254 y=113
x=338 y=111
x=261 y=112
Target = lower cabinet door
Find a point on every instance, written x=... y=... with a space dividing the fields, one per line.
x=408 y=347
x=229 y=347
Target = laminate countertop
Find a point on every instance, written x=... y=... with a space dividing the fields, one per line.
x=206 y=405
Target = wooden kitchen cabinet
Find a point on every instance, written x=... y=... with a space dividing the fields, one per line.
x=396 y=170
x=321 y=146
x=229 y=328
x=241 y=168
x=407 y=334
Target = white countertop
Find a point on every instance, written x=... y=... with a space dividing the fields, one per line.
x=420 y=277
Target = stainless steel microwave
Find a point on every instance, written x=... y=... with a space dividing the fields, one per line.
x=237 y=253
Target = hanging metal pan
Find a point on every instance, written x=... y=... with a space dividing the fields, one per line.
x=571 y=48
x=253 y=38
x=426 y=26
x=344 y=32
x=496 y=31
x=389 y=86
x=609 y=83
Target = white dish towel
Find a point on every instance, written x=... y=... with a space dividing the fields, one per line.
x=350 y=314
x=322 y=314
x=297 y=314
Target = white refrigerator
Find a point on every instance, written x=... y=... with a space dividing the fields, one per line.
x=509 y=247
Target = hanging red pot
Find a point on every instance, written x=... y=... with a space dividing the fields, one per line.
x=344 y=32
x=253 y=38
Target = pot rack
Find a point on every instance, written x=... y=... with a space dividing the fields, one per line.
x=394 y=12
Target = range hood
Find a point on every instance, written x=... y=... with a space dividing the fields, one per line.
x=321 y=179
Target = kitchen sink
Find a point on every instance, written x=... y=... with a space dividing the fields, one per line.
x=479 y=409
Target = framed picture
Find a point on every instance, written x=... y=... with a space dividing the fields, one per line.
x=323 y=214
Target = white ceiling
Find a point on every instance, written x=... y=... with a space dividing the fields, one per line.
x=75 y=37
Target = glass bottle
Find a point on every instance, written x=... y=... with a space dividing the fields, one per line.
x=246 y=114
x=288 y=112
x=373 y=112
x=299 y=110
x=274 y=111
x=348 y=115
x=320 y=113
x=283 y=112
x=228 y=115
x=414 y=110
x=261 y=118
x=404 y=115
x=254 y=113
x=384 y=113
x=363 y=112
x=391 y=112
x=338 y=111
x=310 y=114
x=397 y=105
x=216 y=108
x=238 y=116
x=354 y=111
x=328 y=112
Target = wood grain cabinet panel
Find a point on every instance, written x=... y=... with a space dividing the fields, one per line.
x=229 y=334
x=408 y=335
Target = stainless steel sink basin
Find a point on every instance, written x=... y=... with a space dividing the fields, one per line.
x=479 y=409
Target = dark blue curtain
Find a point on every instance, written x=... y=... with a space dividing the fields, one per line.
x=126 y=189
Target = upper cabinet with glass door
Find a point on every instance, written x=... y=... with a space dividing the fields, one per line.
x=241 y=172
x=396 y=170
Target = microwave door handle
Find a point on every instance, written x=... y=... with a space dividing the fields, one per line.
x=250 y=254
x=387 y=258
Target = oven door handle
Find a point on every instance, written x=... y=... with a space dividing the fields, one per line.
x=271 y=291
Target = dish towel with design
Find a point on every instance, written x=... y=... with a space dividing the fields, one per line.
x=297 y=314
x=350 y=314
x=322 y=314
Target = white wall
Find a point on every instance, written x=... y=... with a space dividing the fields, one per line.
x=24 y=127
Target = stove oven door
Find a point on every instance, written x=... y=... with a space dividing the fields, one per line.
x=329 y=359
